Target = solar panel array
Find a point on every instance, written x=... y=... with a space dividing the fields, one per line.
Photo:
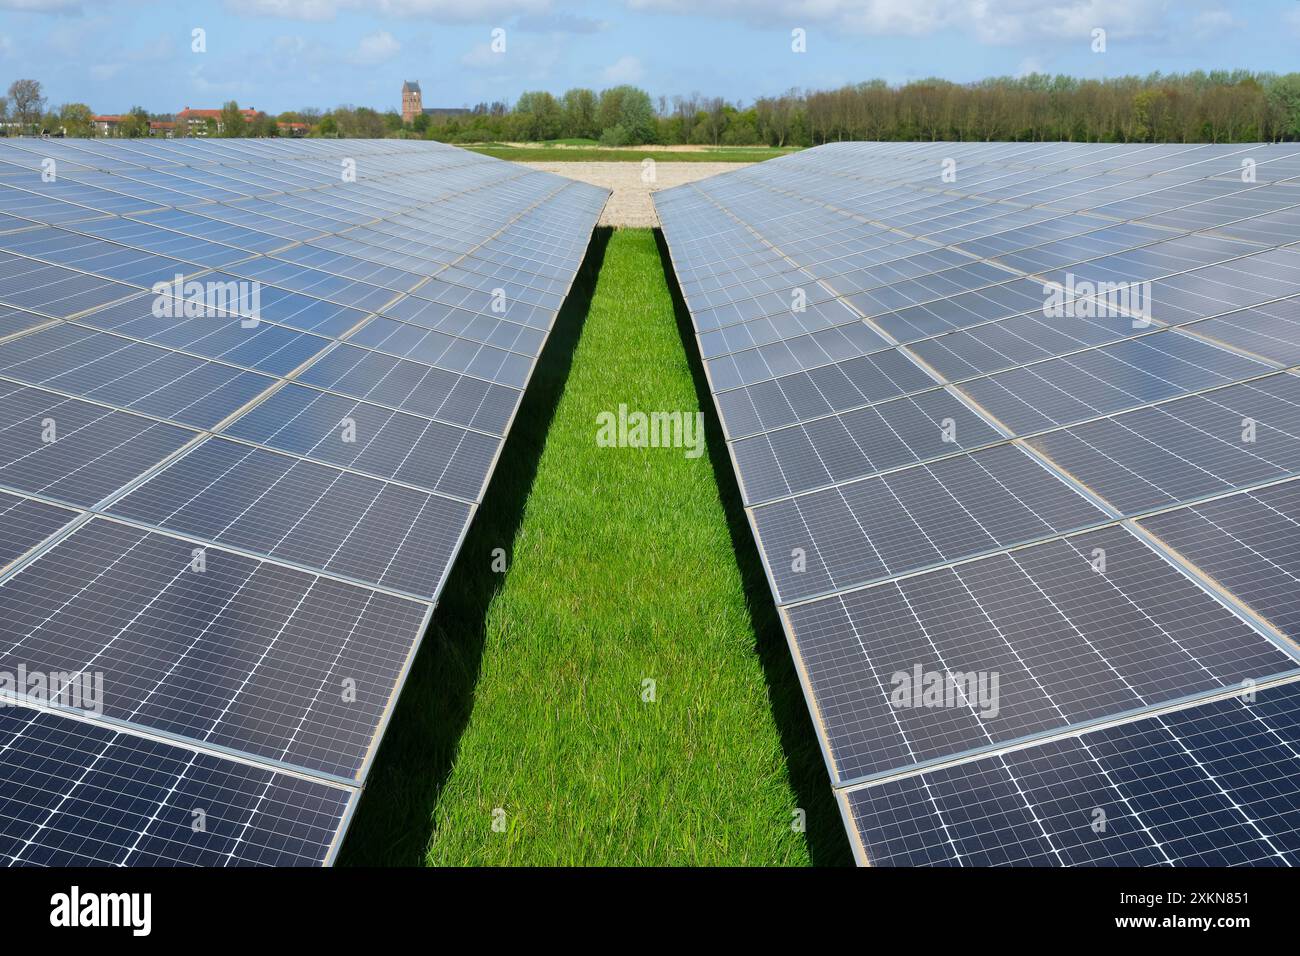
x=1017 y=428
x=251 y=394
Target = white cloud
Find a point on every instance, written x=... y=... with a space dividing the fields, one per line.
x=292 y=53
x=441 y=10
x=454 y=9
x=71 y=38
x=1029 y=66
x=995 y=22
x=285 y=9
x=42 y=6
x=481 y=57
x=290 y=45
x=376 y=48
x=236 y=86
x=161 y=47
x=626 y=69
x=1214 y=23
x=559 y=23
x=101 y=72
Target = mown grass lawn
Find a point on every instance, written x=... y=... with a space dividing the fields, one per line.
x=527 y=703
x=582 y=154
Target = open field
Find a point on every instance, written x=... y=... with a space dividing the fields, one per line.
x=624 y=565
x=559 y=153
x=630 y=203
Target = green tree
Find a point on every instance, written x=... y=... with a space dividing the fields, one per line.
x=539 y=116
x=27 y=102
x=580 y=113
x=134 y=123
x=626 y=113
x=262 y=125
x=360 y=122
x=232 y=120
x=75 y=118
x=1282 y=95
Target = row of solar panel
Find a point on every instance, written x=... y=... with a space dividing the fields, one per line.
x=942 y=474
x=1095 y=238
x=242 y=525
x=1072 y=644
x=987 y=361
x=911 y=515
x=950 y=213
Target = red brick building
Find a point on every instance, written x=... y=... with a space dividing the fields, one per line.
x=195 y=122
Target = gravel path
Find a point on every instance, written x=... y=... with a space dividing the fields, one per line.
x=630 y=204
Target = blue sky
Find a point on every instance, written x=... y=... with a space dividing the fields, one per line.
x=285 y=54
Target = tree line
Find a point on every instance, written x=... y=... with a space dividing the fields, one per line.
x=1214 y=107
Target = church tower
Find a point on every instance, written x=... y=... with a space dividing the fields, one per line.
x=412 y=105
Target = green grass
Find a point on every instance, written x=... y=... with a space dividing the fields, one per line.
x=581 y=154
x=624 y=564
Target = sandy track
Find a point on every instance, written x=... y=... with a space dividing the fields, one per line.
x=630 y=203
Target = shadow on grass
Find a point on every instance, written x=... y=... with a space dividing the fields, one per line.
x=393 y=824
x=828 y=845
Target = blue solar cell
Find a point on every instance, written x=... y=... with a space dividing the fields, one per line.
x=131 y=375
x=1213 y=785
x=1185 y=449
x=75 y=794
x=238 y=653
x=76 y=451
x=1105 y=380
x=53 y=290
x=416 y=388
x=1068 y=644
x=13 y=321
x=372 y=439
x=914 y=517
x=25 y=523
x=310 y=514
x=1248 y=543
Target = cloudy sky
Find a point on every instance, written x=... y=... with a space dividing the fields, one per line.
x=285 y=54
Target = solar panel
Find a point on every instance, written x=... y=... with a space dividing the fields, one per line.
x=1069 y=644
x=1270 y=331
x=25 y=523
x=1208 y=786
x=374 y=440
x=131 y=375
x=914 y=517
x=80 y=794
x=1106 y=380
x=1185 y=449
x=312 y=515
x=950 y=376
x=1249 y=542
x=859 y=444
x=74 y=451
x=235 y=508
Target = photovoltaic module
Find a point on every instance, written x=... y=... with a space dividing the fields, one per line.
x=1017 y=428
x=251 y=394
